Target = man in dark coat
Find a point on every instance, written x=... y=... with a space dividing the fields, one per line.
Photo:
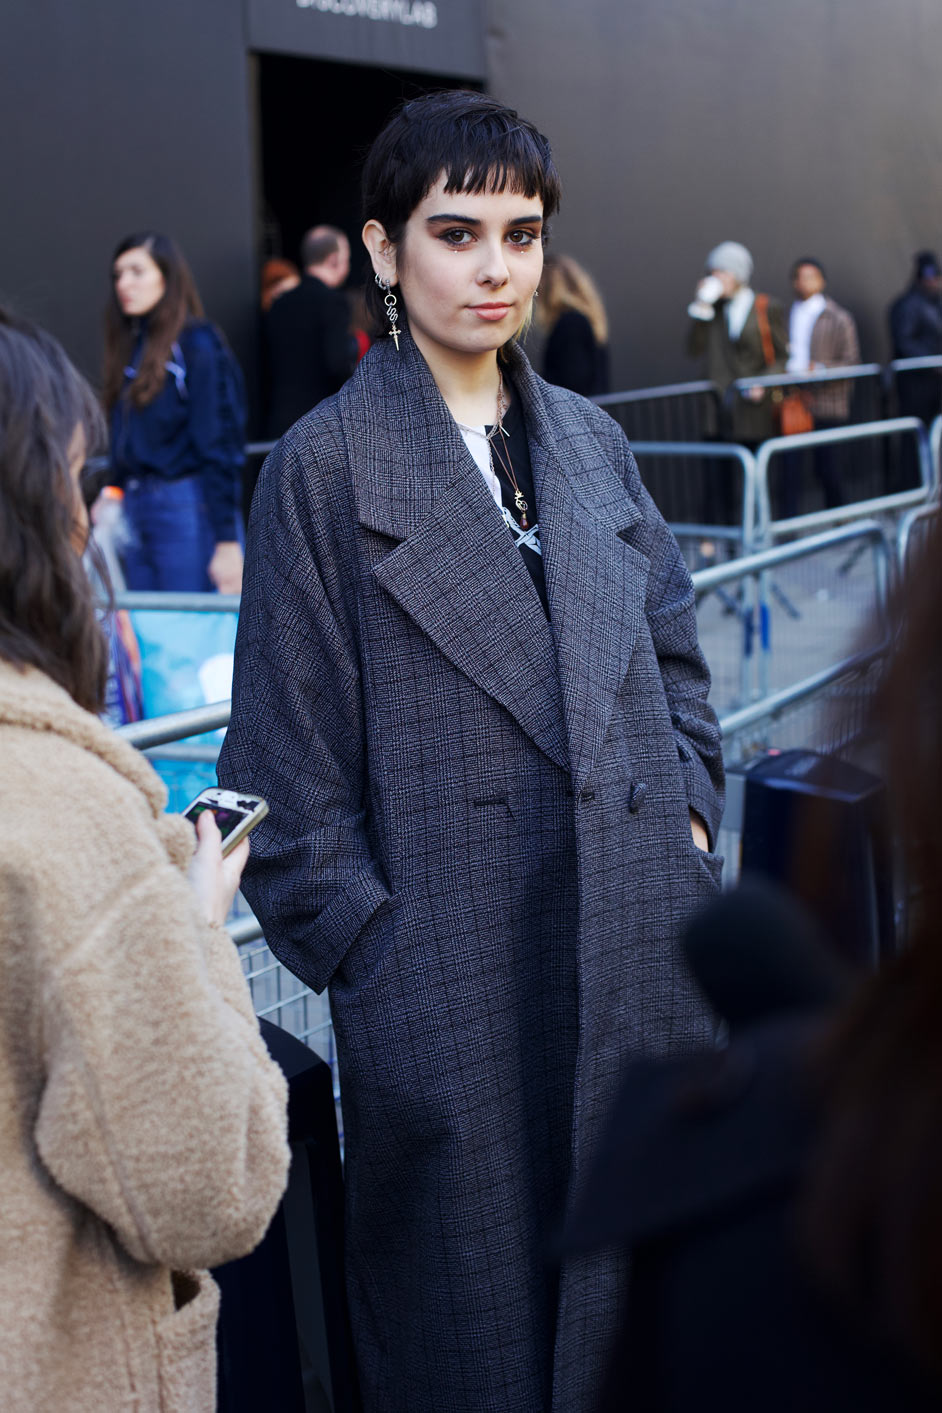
x=480 y=840
x=916 y=332
x=310 y=350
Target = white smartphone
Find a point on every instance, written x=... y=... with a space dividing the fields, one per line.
x=235 y=813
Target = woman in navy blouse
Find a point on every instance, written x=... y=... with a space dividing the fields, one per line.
x=176 y=409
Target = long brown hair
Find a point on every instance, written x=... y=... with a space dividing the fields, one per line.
x=871 y=1212
x=180 y=301
x=47 y=611
x=566 y=285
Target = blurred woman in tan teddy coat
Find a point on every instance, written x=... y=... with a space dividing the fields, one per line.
x=142 y=1124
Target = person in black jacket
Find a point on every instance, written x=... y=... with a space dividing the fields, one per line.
x=916 y=332
x=310 y=351
x=782 y=1199
x=572 y=312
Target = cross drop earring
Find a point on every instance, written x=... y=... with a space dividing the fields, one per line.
x=392 y=311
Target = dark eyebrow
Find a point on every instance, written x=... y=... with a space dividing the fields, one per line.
x=453 y=218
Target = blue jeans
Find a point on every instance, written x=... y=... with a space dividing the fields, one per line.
x=170 y=539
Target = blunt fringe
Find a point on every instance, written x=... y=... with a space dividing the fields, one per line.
x=478 y=145
x=179 y=303
x=47 y=609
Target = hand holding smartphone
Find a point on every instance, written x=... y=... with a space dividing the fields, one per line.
x=235 y=813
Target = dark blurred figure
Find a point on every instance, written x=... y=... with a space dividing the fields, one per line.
x=782 y=1200
x=309 y=349
x=571 y=311
x=821 y=334
x=916 y=332
x=277 y=277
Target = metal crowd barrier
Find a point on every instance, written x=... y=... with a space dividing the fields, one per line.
x=895 y=372
x=167 y=601
x=671 y=412
x=866 y=391
x=680 y=505
x=769 y=528
x=757 y=576
x=911 y=528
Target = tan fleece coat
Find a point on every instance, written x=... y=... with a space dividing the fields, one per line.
x=142 y=1124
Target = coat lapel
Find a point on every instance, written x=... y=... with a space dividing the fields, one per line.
x=595 y=581
x=454 y=568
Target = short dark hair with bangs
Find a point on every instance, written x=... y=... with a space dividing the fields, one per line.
x=476 y=142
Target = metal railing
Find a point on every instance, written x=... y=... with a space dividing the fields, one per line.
x=769 y=528
x=756 y=572
x=672 y=412
x=912 y=524
x=865 y=392
x=169 y=601
x=742 y=535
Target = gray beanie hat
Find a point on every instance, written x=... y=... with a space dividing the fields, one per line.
x=731 y=256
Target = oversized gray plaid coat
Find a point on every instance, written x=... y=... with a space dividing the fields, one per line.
x=479 y=840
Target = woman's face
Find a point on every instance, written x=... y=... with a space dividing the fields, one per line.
x=138 y=282
x=467 y=268
x=76 y=454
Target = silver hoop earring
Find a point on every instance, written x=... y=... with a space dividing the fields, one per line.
x=392 y=310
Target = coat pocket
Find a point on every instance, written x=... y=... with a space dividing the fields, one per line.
x=712 y=864
x=369 y=948
x=186 y=1345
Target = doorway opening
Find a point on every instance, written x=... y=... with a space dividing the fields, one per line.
x=317 y=119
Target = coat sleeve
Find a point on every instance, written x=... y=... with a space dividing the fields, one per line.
x=670 y=610
x=844 y=351
x=161 y=1110
x=296 y=734
x=211 y=437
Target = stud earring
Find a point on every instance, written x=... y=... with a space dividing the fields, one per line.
x=392 y=310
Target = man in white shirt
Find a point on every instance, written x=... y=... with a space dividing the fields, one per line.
x=821 y=334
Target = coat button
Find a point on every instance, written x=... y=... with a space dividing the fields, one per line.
x=586 y=795
x=636 y=795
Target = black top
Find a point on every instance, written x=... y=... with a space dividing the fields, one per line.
x=310 y=351
x=699 y=1175
x=574 y=358
x=515 y=447
x=916 y=324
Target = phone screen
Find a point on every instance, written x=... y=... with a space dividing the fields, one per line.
x=226 y=818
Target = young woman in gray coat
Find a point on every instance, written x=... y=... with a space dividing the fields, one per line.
x=468 y=682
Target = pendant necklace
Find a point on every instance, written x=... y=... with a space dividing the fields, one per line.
x=502 y=450
x=504 y=445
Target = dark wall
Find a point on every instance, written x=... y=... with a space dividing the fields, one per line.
x=117 y=116
x=797 y=128
x=800 y=128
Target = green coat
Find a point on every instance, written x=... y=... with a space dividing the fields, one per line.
x=728 y=359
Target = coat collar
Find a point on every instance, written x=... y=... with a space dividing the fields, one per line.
x=30 y=699
x=456 y=572
x=33 y=702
